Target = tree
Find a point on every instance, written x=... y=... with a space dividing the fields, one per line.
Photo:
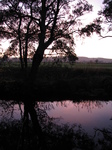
x=45 y=23
x=106 y=16
x=103 y=24
x=17 y=19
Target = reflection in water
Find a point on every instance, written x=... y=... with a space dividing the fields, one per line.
x=10 y=110
x=49 y=125
x=90 y=114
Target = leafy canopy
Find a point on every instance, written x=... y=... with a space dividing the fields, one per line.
x=106 y=16
x=31 y=24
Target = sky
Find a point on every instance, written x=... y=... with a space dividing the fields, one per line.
x=94 y=46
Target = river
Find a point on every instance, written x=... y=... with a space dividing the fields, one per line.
x=89 y=114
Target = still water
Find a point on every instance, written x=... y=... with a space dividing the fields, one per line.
x=88 y=114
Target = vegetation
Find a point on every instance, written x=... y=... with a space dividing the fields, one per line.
x=58 y=81
x=106 y=17
x=57 y=137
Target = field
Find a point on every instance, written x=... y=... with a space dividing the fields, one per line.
x=93 y=65
x=58 y=81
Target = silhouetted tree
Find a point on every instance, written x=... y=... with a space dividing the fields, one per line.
x=102 y=23
x=42 y=24
x=106 y=16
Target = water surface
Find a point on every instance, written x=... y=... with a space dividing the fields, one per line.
x=88 y=114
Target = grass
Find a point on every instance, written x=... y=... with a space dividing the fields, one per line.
x=93 y=65
x=73 y=81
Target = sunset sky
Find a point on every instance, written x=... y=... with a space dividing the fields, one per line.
x=94 y=46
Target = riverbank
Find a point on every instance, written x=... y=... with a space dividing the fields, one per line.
x=57 y=82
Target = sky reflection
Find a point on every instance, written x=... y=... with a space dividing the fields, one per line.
x=90 y=115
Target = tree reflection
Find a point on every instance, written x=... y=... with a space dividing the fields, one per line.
x=89 y=105
x=105 y=140
x=36 y=130
x=8 y=108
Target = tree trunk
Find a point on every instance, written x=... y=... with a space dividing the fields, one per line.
x=20 y=44
x=29 y=108
x=37 y=59
x=21 y=62
x=38 y=56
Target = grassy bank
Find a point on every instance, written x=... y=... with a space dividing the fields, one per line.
x=55 y=137
x=58 y=81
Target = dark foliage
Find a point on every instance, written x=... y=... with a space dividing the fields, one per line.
x=58 y=82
